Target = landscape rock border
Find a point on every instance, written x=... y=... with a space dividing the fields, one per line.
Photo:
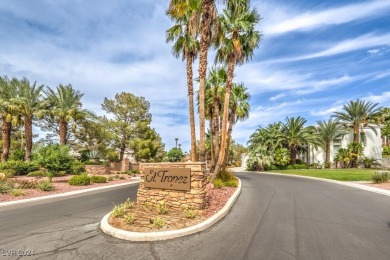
x=164 y=235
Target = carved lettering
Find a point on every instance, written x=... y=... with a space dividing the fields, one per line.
x=169 y=178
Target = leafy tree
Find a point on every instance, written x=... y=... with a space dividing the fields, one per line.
x=29 y=104
x=7 y=91
x=259 y=158
x=148 y=145
x=282 y=156
x=127 y=110
x=175 y=155
x=184 y=35
x=236 y=41
x=327 y=132
x=65 y=107
x=357 y=114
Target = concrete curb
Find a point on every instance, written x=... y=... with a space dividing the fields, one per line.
x=60 y=195
x=348 y=184
x=164 y=235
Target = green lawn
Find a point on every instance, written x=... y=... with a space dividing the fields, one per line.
x=334 y=174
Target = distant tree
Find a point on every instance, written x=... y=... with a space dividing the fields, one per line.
x=127 y=110
x=147 y=146
x=175 y=155
x=7 y=91
x=29 y=104
x=327 y=132
x=65 y=107
x=357 y=114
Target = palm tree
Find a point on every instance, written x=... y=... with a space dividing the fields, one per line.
x=65 y=106
x=215 y=92
x=184 y=35
x=29 y=104
x=7 y=91
x=357 y=114
x=239 y=111
x=296 y=135
x=327 y=132
x=237 y=39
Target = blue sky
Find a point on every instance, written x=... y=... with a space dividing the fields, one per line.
x=314 y=56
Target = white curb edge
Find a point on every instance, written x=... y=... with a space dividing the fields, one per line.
x=164 y=235
x=60 y=195
x=349 y=184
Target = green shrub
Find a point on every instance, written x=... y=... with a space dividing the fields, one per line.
x=188 y=213
x=381 y=177
x=36 y=174
x=55 y=158
x=79 y=180
x=232 y=183
x=110 y=178
x=77 y=168
x=226 y=175
x=158 y=222
x=118 y=211
x=128 y=204
x=98 y=179
x=282 y=156
x=5 y=186
x=9 y=173
x=386 y=150
x=92 y=163
x=112 y=156
x=129 y=219
x=297 y=167
x=17 y=155
x=162 y=208
x=19 y=167
x=45 y=186
x=218 y=183
x=369 y=161
x=122 y=178
x=17 y=192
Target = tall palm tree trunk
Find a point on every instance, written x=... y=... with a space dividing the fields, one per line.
x=229 y=138
x=222 y=150
x=191 y=107
x=63 y=131
x=215 y=119
x=6 y=134
x=212 y=152
x=206 y=6
x=356 y=133
x=28 y=135
x=293 y=159
x=327 y=152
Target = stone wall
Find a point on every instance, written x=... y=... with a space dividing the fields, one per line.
x=97 y=169
x=385 y=163
x=195 y=198
x=115 y=166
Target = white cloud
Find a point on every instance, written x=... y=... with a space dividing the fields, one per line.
x=335 y=16
x=383 y=99
x=373 y=51
x=278 y=96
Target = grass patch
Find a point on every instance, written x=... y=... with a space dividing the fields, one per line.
x=333 y=174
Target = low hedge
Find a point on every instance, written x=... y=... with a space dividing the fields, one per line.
x=98 y=179
x=80 y=180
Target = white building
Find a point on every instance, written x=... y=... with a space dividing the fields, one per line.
x=372 y=147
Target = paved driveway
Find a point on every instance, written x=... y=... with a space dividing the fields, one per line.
x=275 y=217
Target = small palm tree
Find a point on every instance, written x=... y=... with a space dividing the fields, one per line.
x=296 y=135
x=236 y=41
x=29 y=104
x=327 y=132
x=357 y=114
x=65 y=106
x=184 y=35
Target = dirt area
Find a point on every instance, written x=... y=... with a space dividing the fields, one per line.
x=385 y=186
x=144 y=215
x=60 y=186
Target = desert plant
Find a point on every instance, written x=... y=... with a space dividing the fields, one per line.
x=232 y=183
x=5 y=186
x=98 y=179
x=19 y=167
x=110 y=178
x=129 y=219
x=369 y=161
x=158 y=222
x=218 y=183
x=24 y=184
x=162 y=207
x=381 y=177
x=80 y=180
x=122 y=178
x=93 y=154
x=282 y=156
x=112 y=156
x=128 y=204
x=55 y=158
x=38 y=173
x=45 y=186
x=118 y=211
x=17 y=192
x=189 y=213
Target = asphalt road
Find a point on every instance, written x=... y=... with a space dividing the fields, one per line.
x=275 y=217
